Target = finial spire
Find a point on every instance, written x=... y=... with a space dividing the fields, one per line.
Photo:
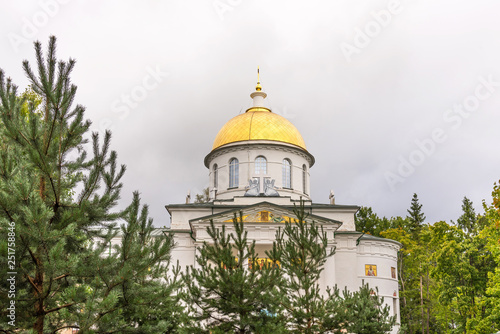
x=258 y=87
x=258 y=96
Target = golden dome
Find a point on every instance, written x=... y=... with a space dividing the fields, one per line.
x=259 y=123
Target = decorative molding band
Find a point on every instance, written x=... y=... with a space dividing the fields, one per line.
x=278 y=147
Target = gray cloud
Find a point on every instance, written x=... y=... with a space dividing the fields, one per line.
x=357 y=117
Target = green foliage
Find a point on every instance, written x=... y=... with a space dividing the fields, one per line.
x=369 y=222
x=204 y=197
x=36 y=172
x=462 y=264
x=32 y=105
x=446 y=272
x=416 y=217
x=366 y=221
x=227 y=295
x=367 y=313
x=225 y=292
x=61 y=203
x=410 y=259
x=304 y=249
x=361 y=311
x=128 y=291
x=467 y=221
x=489 y=320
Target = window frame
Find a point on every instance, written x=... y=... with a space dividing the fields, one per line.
x=260 y=165
x=286 y=173
x=234 y=173
x=216 y=176
x=304 y=178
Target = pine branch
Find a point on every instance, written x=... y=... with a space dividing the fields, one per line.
x=64 y=327
x=59 y=308
x=33 y=283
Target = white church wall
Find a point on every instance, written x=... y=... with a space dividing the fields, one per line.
x=346 y=216
x=184 y=250
x=246 y=155
x=346 y=262
x=351 y=260
x=346 y=269
x=180 y=217
x=242 y=200
x=383 y=255
x=263 y=234
x=262 y=248
x=328 y=277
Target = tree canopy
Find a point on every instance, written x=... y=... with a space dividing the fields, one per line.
x=58 y=203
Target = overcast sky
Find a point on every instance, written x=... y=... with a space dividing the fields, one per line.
x=392 y=97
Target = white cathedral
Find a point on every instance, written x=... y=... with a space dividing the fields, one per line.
x=259 y=165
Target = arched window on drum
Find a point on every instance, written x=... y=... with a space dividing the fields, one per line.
x=287 y=173
x=260 y=165
x=304 y=179
x=216 y=176
x=234 y=172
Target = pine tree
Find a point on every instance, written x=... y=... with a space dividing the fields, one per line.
x=468 y=220
x=368 y=222
x=303 y=247
x=367 y=313
x=228 y=296
x=228 y=291
x=131 y=289
x=335 y=315
x=416 y=217
x=60 y=204
x=149 y=298
x=50 y=227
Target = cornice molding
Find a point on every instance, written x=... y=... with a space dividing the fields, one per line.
x=282 y=147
